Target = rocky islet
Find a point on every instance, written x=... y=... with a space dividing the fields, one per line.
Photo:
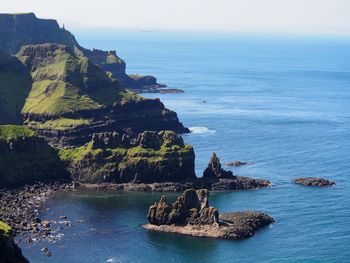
x=191 y=215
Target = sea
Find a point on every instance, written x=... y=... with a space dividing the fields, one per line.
x=280 y=102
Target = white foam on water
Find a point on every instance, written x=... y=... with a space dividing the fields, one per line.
x=201 y=130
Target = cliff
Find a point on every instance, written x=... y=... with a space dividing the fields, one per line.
x=71 y=98
x=9 y=251
x=15 y=85
x=26 y=158
x=17 y=30
x=114 y=158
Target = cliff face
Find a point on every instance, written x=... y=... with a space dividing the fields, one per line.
x=15 y=84
x=114 y=158
x=17 y=30
x=71 y=98
x=26 y=158
x=9 y=251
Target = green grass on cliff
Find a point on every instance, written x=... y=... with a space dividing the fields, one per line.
x=10 y=132
x=61 y=124
x=28 y=159
x=5 y=230
x=67 y=83
x=133 y=152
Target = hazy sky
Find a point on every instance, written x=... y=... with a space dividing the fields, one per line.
x=297 y=16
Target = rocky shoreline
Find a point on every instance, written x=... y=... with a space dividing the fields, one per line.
x=19 y=208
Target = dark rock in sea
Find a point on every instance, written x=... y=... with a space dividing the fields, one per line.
x=217 y=179
x=313 y=181
x=214 y=170
x=236 y=163
x=191 y=215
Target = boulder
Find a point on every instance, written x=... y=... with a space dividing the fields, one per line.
x=149 y=139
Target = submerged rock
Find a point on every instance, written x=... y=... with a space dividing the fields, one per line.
x=313 y=181
x=191 y=215
x=237 y=163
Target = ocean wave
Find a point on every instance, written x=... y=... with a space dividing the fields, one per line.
x=201 y=130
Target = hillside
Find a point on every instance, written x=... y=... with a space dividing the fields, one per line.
x=71 y=98
x=17 y=30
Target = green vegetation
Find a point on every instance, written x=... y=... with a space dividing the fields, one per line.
x=80 y=153
x=5 y=230
x=61 y=124
x=26 y=158
x=67 y=82
x=130 y=96
x=11 y=132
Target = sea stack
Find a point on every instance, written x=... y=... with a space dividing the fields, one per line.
x=191 y=215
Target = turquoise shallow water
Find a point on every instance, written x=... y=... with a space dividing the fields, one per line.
x=281 y=102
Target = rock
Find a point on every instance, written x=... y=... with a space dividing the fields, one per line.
x=190 y=214
x=149 y=139
x=9 y=251
x=313 y=181
x=214 y=170
x=236 y=163
x=239 y=183
x=190 y=207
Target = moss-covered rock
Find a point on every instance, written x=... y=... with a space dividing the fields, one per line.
x=26 y=158
x=9 y=251
x=104 y=160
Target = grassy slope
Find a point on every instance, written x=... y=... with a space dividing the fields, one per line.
x=69 y=83
x=12 y=132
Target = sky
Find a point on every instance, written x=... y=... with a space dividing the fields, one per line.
x=289 y=16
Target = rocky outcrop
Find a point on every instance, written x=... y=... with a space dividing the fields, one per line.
x=18 y=30
x=9 y=251
x=217 y=179
x=214 y=170
x=26 y=158
x=114 y=158
x=192 y=207
x=191 y=214
x=313 y=181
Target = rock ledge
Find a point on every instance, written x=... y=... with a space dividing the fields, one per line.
x=313 y=181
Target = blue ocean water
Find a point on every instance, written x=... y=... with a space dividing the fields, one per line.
x=281 y=102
